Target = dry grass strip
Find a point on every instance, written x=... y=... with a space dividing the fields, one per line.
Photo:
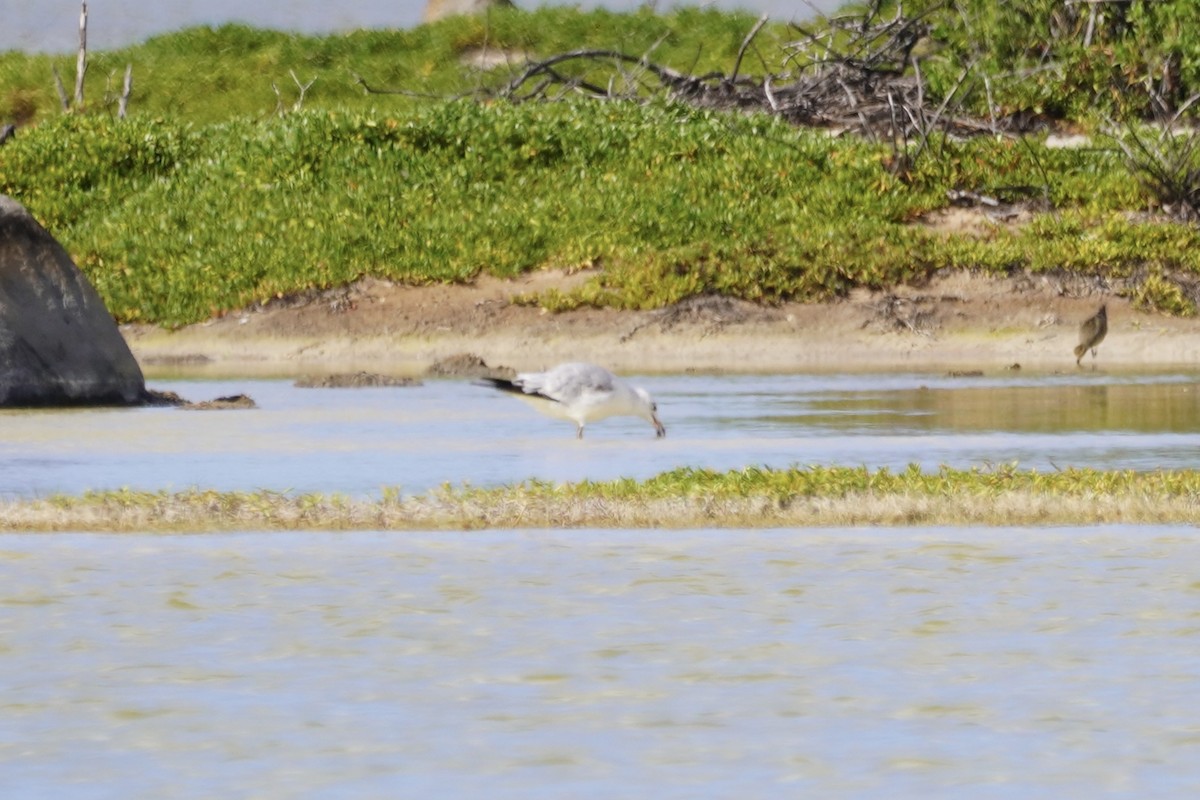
x=911 y=499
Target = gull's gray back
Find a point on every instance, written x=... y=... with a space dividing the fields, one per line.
x=567 y=382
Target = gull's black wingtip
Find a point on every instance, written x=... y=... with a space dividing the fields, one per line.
x=512 y=387
x=503 y=384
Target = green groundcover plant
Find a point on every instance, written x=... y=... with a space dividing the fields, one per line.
x=682 y=498
x=202 y=203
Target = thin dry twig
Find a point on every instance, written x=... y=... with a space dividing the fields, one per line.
x=737 y=63
x=126 y=90
x=81 y=61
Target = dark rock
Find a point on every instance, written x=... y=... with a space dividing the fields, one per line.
x=184 y=360
x=159 y=397
x=232 y=401
x=58 y=343
x=467 y=365
x=354 y=380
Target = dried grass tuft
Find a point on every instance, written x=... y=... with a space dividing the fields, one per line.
x=636 y=505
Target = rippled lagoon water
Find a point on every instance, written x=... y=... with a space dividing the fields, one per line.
x=997 y=663
x=358 y=440
x=957 y=662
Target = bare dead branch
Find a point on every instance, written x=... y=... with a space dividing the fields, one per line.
x=63 y=100
x=126 y=90
x=770 y=97
x=81 y=59
x=369 y=89
x=859 y=74
x=303 y=87
x=1167 y=160
x=280 y=108
x=737 y=62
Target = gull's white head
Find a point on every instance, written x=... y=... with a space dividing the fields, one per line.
x=648 y=410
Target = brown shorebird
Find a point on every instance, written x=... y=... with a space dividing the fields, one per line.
x=1091 y=334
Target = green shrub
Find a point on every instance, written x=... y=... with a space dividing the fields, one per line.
x=194 y=211
x=1037 y=57
x=1157 y=293
x=175 y=222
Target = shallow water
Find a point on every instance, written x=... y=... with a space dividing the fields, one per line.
x=851 y=663
x=986 y=663
x=357 y=441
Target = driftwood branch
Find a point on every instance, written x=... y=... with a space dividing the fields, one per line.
x=737 y=63
x=1166 y=158
x=81 y=59
x=369 y=89
x=303 y=88
x=63 y=100
x=126 y=90
x=858 y=73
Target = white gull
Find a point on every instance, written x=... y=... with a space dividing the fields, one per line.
x=582 y=393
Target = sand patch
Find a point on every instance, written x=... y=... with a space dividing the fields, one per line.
x=958 y=320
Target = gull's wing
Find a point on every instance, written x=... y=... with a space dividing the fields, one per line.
x=567 y=383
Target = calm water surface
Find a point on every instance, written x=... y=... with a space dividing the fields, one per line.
x=537 y=664
x=358 y=440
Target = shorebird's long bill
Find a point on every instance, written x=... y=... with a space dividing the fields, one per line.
x=659 y=430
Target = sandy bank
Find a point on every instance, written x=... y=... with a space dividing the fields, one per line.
x=956 y=322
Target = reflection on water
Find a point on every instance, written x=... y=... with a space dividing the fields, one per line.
x=905 y=663
x=1166 y=407
x=358 y=440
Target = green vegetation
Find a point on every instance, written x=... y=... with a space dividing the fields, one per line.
x=1037 y=55
x=754 y=497
x=209 y=75
x=212 y=196
x=1156 y=293
x=1066 y=60
x=175 y=223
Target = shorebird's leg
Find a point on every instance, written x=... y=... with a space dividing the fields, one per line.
x=579 y=430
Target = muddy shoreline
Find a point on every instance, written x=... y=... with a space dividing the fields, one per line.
x=957 y=321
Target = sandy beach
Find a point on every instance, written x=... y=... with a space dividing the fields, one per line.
x=957 y=321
